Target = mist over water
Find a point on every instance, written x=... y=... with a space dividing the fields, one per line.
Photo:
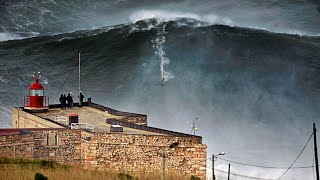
x=249 y=70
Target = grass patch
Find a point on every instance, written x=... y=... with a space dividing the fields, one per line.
x=27 y=169
x=30 y=163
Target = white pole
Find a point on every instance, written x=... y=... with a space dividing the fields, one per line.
x=79 y=79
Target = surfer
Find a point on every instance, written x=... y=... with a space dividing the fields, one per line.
x=163 y=80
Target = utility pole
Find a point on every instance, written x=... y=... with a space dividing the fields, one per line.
x=315 y=149
x=229 y=173
x=163 y=164
x=213 y=176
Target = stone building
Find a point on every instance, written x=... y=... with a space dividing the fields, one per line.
x=95 y=136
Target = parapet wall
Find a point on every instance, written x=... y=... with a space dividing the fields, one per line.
x=119 y=152
x=22 y=119
x=151 y=129
x=127 y=117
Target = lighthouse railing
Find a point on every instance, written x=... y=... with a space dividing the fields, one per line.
x=61 y=118
x=45 y=101
x=85 y=126
x=26 y=101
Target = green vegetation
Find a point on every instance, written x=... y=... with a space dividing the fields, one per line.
x=27 y=169
x=27 y=163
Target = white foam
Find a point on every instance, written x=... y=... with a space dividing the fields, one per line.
x=160 y=14
x=158 y=42
x=164 y=15
x=209 y=19
x=9 y=36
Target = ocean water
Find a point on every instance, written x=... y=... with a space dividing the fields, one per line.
x=248 y=70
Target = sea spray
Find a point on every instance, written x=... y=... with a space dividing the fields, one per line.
x=9 y=36
x=158 y=42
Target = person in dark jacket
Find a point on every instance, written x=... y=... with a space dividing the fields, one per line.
x=81 y=97
x=64 y=101
x=70 y=101
x=61 y=101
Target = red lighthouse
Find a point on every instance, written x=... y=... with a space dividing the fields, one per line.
x=36 y=101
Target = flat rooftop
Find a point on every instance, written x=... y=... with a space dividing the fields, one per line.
x=95 y=117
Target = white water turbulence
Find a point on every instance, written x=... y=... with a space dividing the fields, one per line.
x=216 y=19
x=9 y=36
x=164 y=15
x=158 y=42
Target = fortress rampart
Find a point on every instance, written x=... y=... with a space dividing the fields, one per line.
x=119 y=152
x=136 y=148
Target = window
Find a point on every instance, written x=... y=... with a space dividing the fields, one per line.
x=36 y=92
x=51 y=139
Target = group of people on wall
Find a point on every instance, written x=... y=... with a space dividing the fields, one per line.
x=67 y=101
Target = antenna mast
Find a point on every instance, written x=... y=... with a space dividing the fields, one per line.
x=194 y=129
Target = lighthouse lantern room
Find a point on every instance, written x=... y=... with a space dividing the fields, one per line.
x=36 y=101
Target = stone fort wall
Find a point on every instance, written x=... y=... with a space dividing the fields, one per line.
x=120 y=152
x=61 y=145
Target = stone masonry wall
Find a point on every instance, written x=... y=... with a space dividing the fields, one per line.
x=63 y=146
x=17 y=145
x=119 y=152
x=131 y=153
x=59 y=145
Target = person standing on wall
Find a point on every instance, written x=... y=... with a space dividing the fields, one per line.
x=61 y=101
x=70 y=101
x=64 y=102
x=81 y=97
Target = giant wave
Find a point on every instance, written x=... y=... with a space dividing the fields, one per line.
x=228 y=76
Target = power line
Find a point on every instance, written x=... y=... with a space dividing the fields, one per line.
x=262 y=166
x=243 y=176
x=268 y=167
x=296 y=158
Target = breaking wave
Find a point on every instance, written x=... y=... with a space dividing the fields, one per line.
x=205 y=20
x=248 y=80
x=9 y=36
x=163 y=15
x=249 y=67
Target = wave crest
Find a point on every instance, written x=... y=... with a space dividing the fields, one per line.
x=9 y=36
x=163 y=15
x=207 y=20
